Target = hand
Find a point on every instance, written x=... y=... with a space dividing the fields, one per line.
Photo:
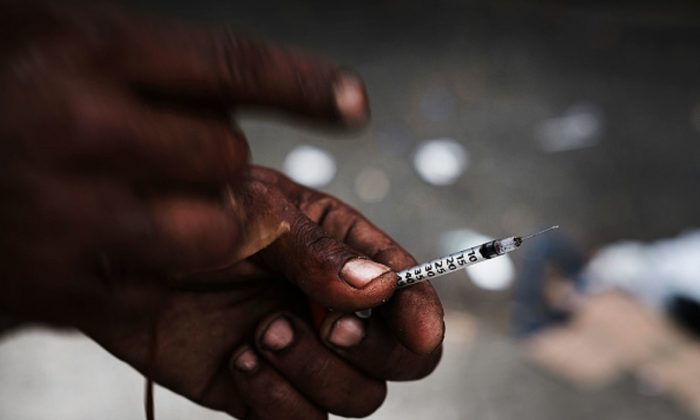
x=243 y=342
x=116 y=143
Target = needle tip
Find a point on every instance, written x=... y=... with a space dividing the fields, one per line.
x=540 y=232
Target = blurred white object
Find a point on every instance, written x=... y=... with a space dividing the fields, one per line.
x=619 y=265
x=440 y=161
x=310 y=166
x=494 y=274
x=372 y=185
x=653 y=272
x=579 y=127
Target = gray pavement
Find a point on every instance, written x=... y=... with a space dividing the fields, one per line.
x=483 y=375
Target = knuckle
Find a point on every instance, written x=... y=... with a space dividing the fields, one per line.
x=315 y=208
x=278 y=394
x=257 y=189
x=311 y=237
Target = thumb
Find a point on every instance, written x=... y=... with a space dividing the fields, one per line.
x=328 y=271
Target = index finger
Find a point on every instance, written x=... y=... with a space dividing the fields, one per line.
x=219 y=64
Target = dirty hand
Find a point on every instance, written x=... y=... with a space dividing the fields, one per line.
x=117 y=145
x=242 y=340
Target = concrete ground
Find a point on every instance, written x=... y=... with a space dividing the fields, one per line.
x=489 y=75
x=484 y=375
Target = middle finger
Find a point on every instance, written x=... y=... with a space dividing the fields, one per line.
x=294 y=350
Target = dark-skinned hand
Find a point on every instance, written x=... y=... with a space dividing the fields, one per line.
x=242 y=340
x=117 y=150
x=128 y=202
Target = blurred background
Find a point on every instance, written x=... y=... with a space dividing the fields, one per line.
x=490 y=118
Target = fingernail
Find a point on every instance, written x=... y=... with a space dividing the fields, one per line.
x=246 y=361
x=278 y=335
x=358 y=272
x=350 y=98
x=347 y=331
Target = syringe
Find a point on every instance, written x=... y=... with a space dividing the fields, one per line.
x=457 y=261
x=461 y=259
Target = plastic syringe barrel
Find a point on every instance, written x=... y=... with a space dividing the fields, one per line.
x=456 y=261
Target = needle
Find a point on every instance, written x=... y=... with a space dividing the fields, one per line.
x=532 y=235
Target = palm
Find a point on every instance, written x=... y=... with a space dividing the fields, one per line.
x=196 y=333
x=188 y=342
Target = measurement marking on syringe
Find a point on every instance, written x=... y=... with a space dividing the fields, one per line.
x=461 y=259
